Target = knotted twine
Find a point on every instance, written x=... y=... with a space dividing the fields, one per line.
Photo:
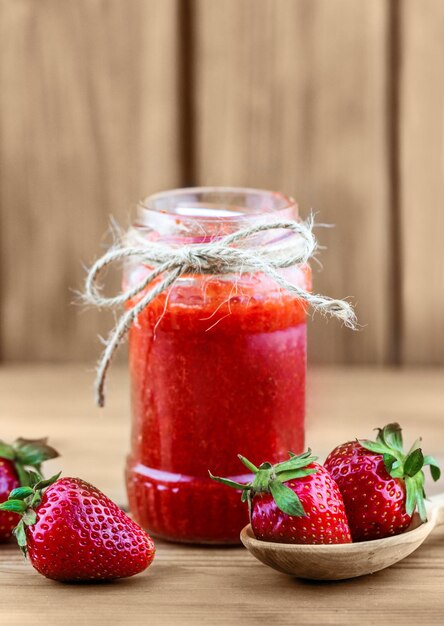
x=217 y=257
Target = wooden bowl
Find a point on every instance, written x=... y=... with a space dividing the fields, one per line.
x=339 y=561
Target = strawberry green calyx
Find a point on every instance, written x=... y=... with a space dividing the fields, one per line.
x=406 y=466
x=23 y=501
x=27 y=455
x=270 y=478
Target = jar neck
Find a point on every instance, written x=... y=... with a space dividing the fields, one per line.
x=202 y=214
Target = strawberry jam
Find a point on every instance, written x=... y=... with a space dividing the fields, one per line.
x=217 y=368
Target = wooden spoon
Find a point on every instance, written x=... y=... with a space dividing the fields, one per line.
x=347 y=560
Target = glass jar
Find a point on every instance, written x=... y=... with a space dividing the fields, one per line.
x=217 y=368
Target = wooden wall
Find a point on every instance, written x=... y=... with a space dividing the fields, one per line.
x=339 y=103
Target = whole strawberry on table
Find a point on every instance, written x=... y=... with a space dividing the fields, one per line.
x=17 y=460
x=381 y=485
x=72 y=532
x=295 y=501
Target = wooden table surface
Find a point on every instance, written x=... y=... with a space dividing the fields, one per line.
x=189 y=585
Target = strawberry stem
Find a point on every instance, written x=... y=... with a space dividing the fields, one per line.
x=27 y=456
x=270 y=478
x=407 y=467
x=22 y=501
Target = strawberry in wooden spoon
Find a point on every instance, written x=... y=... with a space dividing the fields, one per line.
x=381 y=484
x=295 y=501
x=73 y=532
x=15 y=461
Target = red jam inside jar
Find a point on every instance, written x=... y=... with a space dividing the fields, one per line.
x=217 y=368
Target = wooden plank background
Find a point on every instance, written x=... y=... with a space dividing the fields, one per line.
x=336 y=102
x=291 y=116
x=89 y=124
x=422 y=181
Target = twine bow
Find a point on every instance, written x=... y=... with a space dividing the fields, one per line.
x=216 y=257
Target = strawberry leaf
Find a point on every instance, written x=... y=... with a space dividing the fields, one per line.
x=397 y=470
x=33 y=477
x=295 y=462
x=381 y=437
x=262 y=480
x=303 y=455
x=228 y=482
x=42 y=484
x=410 y=486
x=29 y=517
x=248 y=464
x=416 y=444
x=375 y=446
x=36 y=499
x=391 y=436
x=20 y=535
x=6 y=451
x=286 y=499
x=421 y=507
x=20 y=493
x=285 y=475
x=14 y=506
x=415 y=495
x=414 y=462
x=389 y=462
x=435 y=470
x=250 y=506
x=21 y=472
x=420 y=495
x=34 y=451
x=265 y=466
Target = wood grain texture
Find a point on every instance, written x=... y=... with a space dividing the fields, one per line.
x=291 y=95
x=191 y=586
x=105 y=101
x=188 y=585
x=39 y=400
x=347 y=560
x=422 y=180
x=88 y=117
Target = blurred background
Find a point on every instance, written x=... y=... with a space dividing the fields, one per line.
x=339 y=103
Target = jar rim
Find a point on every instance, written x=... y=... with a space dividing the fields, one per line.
x=168 y=203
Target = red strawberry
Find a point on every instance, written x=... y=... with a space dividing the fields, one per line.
x=73 y=532
x=380 y=484
x=15 y=460
x=296 y=501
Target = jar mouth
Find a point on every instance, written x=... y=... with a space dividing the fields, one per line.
x=216 y=204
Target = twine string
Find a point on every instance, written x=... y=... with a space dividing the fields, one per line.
x=217 y=257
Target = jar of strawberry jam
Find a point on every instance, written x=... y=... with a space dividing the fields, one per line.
x=217 y=366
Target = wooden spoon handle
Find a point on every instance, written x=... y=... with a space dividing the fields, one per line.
x=437 y=508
